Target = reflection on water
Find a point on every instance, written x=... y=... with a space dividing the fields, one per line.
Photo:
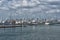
x=42 y=32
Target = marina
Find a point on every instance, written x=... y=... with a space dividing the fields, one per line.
x=23 y=22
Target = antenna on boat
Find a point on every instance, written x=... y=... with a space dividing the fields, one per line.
x=10 y=16
x=1 y=19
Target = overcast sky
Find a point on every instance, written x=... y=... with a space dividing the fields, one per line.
x=29 y=8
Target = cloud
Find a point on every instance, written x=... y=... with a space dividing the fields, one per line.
x=53 y=11
x=52 y=0
x=4 y=8
x=24 y=3
x=32 y=3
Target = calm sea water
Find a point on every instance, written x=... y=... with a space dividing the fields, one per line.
x=41 y=32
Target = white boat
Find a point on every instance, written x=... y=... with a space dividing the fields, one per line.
x=47 y=23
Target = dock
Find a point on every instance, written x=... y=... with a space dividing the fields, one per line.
x=10 y=26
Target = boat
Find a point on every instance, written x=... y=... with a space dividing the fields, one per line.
x=47 y=23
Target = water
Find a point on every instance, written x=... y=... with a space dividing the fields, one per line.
x=41 y=32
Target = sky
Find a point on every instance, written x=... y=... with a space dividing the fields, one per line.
x=29 y=9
